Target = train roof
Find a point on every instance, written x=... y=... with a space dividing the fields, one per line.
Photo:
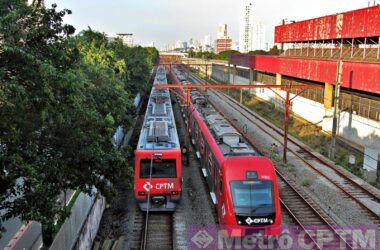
x=229 y=140
x=159 y=129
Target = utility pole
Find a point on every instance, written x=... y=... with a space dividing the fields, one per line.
x=286 y=125
x=336 y=104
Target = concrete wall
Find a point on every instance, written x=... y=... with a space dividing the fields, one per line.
x=82 y=213
x=90 y=228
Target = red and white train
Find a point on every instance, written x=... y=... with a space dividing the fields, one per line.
x=242 y=184
x=158 y=167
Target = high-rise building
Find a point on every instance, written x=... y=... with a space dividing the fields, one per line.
x=127 y=38
x=222 y=30
x=259 y=41
x=245 y=31
x=223 y=42
x=207 y=40
x=179 y=44
x=150 y=44
x=191 y=43
x=207 y=46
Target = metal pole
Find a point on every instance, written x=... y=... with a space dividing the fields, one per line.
x=365 y=47
x=352 y=47
x=336 y=103
x=187 y=124
x=206 y=74
x=378 y=49
x=188 y=73
x=286 y=121
x=241 y=96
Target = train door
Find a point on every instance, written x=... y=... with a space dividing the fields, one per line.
x=219 y=191
x=210 y=172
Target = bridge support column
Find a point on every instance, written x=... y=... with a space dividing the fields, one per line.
x=234 y=71
x=328 y=96
x=277 y=100
x=328 y=106
x=250 y=76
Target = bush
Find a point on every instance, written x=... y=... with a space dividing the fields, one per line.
x=306 y=182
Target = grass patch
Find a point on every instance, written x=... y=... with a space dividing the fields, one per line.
x=69 y=206
x=375 y=184
x=306 y=182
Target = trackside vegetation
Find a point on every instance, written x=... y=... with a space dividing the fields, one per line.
x=61 y=98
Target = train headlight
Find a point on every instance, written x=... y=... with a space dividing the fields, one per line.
x=141 y=193
x=174 y=192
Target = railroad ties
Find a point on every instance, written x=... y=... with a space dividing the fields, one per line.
x=304 y=212
x=157 y=232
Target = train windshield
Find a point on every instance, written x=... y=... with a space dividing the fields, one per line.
x=253 y=197
x=160 y=168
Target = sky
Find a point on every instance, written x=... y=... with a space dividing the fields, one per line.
x=165 y=21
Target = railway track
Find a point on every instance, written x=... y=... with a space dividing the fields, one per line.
x=353 y=189
x=305 y=213
x=152 y=232
x=301 y=209
x=157 y=231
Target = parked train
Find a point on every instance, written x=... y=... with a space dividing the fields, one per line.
x=158 y=168
x=242 y=184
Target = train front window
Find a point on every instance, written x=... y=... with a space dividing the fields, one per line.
x=160 y=168
x=253 y=197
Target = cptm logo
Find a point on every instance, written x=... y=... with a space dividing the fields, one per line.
x=202 y=239
x=147 y=186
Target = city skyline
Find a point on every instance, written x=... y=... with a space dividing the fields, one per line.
x=155 y=21
x=246 y=26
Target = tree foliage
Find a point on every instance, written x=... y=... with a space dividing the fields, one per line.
x=61 y=99
x=225 y=55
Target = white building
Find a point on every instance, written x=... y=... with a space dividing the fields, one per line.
x=259 y=42
x=191 y=43
x=127 y=38
x=111 y=38
x=150 y=44
x=179 y=44
x=246 y=23
x=207 y=40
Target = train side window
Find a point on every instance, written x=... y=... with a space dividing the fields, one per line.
x=221 y=185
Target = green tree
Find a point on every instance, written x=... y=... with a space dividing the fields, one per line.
x=225 y=55
x=274 y=51
x=258 y=52
x=60 y=102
